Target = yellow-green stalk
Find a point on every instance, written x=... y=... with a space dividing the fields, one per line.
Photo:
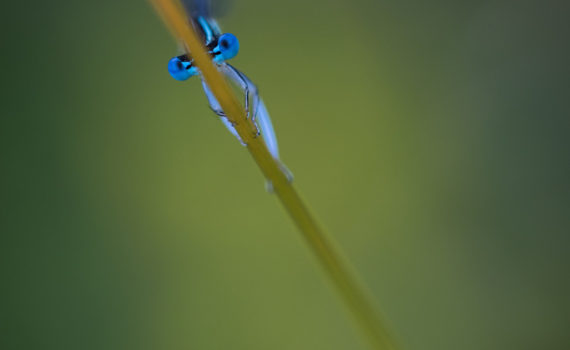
x=337 y=268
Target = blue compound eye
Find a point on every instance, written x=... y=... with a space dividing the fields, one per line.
x=178 y=69
x=228 y=45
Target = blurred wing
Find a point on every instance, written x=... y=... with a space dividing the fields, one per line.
x=206 y=8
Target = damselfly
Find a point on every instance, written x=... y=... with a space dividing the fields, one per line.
x=223 y=47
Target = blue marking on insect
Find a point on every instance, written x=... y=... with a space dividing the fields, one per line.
x=180 y=69
x=228 y=47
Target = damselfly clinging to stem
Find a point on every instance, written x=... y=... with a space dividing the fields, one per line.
x=221 y=48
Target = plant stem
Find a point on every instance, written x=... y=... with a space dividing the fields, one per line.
x=344 y=279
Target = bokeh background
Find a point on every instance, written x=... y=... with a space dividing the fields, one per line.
x=430 y=138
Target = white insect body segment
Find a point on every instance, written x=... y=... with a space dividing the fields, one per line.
x=255 y=108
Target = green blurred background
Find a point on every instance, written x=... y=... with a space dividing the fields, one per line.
x=430 y=138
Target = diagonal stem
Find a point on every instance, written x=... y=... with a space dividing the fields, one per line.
x=337 y=268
